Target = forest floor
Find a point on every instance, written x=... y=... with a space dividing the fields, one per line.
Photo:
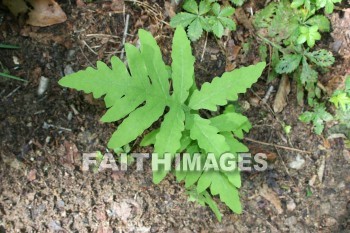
x=43 y=188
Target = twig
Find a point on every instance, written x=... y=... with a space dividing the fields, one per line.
x=285 y=167
x=46 y=126
x=12 y=92
x=84 y=42
x=102 y=35
x=2 y=92
x=151 y=9
x=125 y=34
x=282 y=50
x=278 y=146
x=82 y=51
x=205 y=46
x=267 y=95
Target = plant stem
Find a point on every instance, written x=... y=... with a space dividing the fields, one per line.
x=12 y=77
x=282 y=50
x=6 y=46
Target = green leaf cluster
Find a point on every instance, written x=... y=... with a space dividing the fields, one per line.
x=148 y=90
x=318 y=117
x=238 y=2
x=309 y=35
x=341 y=100
x=305 y=73
x=208 y=15
x=288 y=28
x=313 y=5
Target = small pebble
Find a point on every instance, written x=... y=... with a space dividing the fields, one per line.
x=70 y=116
x=68 y=70
x=297 y=163
x=291 y=205
x=43 y=84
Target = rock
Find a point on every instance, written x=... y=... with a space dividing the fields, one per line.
x=68 y=70
x=291 y=205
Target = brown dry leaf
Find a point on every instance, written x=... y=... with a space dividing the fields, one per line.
x=272 y=197
x=40 y=13
x=335 y=83
x=282 y=93
x=243 y=19
x=70 y=154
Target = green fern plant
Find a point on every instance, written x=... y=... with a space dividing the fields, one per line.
x=208 y=15
x=141 y=94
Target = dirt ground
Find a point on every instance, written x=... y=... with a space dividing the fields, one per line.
x=42 y=186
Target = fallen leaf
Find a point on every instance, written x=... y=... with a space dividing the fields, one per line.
x=272 y=197
x=70 y=154
x=335 y=83
x=243 y=19
x=40 y=13
x=282 y=93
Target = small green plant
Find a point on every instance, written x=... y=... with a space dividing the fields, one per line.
x=238 y=2
x=4 y=72
x=124 y=150
x=308 y=35
x=99 y=159
x=208 y=15
x=318 y=117
x=341 y=100
x=141 y=94
x=288 y=28
x=313 y=5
